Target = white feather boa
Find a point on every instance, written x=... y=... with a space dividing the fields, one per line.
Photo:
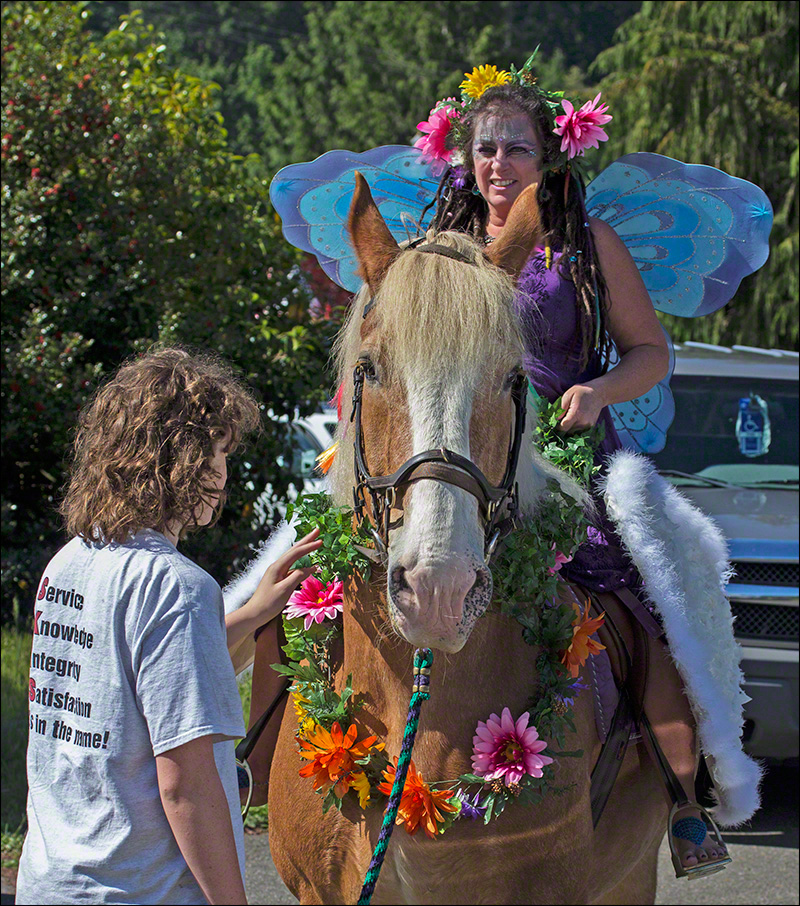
x=682 y=557
x=240 y=589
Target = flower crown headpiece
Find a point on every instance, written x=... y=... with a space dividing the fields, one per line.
x=444 y=134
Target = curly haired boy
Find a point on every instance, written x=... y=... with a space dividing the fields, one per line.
x=134 y=707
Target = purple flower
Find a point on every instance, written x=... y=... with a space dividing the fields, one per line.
x=571 y=692
x=596 y=536
x=459 y=177
x=472 y=808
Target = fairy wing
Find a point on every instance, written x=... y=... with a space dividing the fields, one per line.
x=642 y=423
x=313 y=201
x=694 y=233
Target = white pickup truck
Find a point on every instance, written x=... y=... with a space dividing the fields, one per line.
x=733 y=450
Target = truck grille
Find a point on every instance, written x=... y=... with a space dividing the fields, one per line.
x=784 y=574
x=772 y=622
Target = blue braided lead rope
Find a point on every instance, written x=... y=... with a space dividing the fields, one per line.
x=423 y=658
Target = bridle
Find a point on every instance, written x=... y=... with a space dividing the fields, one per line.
x=497 y=504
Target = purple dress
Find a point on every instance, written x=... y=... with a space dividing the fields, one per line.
x=545 y=306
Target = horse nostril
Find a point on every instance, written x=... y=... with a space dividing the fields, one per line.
x=398 y=580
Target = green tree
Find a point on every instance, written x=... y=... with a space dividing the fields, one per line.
x=253 y=50
x=717 y=83
x=365 y=76
x=128 y=221
x=234 y=44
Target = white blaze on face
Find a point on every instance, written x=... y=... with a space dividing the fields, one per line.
x=438 y=582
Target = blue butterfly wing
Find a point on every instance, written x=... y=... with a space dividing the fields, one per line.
x=313 y=201
x=642 y=423
x=693 y=231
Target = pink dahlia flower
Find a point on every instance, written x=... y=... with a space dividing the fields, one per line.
x=581 y=129
x=315 y=601
x=436 y=128
x=507 y=750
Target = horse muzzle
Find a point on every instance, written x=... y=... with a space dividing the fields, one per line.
x=435 y=604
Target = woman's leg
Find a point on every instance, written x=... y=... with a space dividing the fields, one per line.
x=667 y=707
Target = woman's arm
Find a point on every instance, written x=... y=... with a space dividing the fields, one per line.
x=274 y=590
x=197 y=809
x=634 y=327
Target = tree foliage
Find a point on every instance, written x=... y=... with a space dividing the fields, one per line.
x=717 y=83
x=371 y=69
x=369 y=72
x=128 y=221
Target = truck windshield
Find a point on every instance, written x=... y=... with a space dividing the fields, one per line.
x=736 y=431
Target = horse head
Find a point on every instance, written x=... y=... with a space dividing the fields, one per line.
x=432 y=353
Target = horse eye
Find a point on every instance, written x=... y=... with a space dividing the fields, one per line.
x=368 y=367
x=511 y=378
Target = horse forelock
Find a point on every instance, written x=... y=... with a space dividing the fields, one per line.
x=434 y=319
x=438 y=314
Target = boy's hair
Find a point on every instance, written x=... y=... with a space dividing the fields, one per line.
x=143 y=450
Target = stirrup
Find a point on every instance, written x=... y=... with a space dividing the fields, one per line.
x=702 y=869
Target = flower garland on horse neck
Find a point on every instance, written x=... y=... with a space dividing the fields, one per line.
x=510 y=760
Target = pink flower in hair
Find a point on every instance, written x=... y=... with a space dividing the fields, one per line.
x=437 y=127
x=582 y=129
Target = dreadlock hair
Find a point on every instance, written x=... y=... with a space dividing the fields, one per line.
x=458 y=206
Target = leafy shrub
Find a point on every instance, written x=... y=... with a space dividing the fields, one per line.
x=128 y=221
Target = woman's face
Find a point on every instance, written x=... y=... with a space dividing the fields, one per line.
x=507 y=155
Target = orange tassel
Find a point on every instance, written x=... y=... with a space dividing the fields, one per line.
x=325 y=459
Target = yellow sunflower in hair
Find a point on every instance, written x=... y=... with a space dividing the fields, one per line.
x=481 y=78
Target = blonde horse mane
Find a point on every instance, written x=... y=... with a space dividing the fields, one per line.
x=439 y=314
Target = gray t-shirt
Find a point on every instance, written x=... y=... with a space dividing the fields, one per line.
x=129 y=660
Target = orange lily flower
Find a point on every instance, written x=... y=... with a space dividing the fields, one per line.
x=419 y=804
x=582 y=646
x=332 y=757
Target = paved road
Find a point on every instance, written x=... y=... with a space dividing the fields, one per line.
x=764 y=869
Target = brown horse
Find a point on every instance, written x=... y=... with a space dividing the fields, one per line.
x=439 y=350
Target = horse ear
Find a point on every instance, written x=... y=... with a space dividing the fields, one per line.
x=522 y=231
x=374 y=245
